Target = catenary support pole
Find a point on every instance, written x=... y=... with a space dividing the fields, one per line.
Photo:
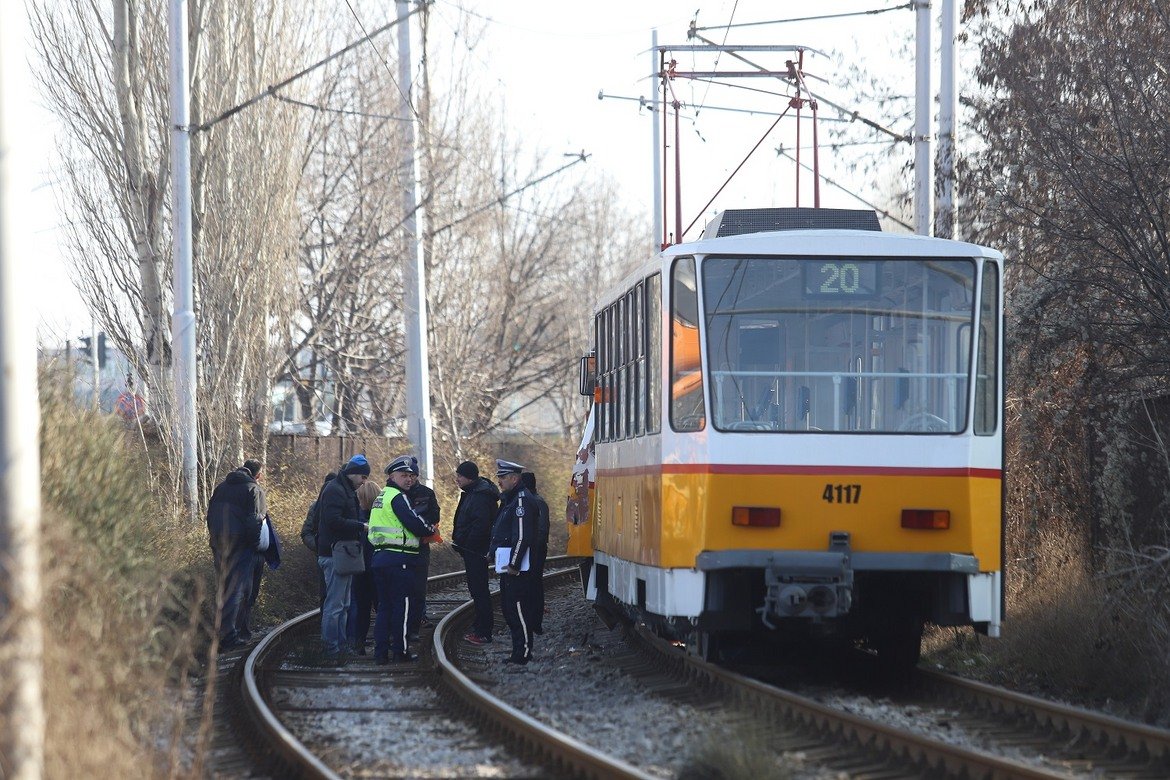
x=183 y=284
x=923 y=97
x=418 y=385
x=948 y=110
x=656 y=141
x=95 y=398
x=22 y=716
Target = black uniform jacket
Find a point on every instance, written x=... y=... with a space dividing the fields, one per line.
x=515 y=525
x=425 y=503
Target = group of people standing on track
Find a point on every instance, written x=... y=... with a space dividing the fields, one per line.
x=373 y=553
x=396 y=525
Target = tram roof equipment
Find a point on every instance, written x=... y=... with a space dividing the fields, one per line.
x=737 y=222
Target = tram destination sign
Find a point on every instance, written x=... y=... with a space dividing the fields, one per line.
x=844 y=278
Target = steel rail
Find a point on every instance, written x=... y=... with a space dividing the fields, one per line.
x=921 y=752
x=558 y=747
x=291 y=756
x=287 y=752
x=1135 y=738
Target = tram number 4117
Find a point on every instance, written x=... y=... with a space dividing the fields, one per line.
x=842 y=494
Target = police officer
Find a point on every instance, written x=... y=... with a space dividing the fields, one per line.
x=515 y=532
x=395 y=530
x=539 y=552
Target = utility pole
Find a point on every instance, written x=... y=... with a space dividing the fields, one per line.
x=923 y=165
x=183 y=316
x=945 y=222
x=22 y=715
x=655 y=139
x=418 y=385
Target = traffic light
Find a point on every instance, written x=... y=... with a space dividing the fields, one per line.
x=87 y=348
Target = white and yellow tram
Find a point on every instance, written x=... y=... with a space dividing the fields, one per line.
x=798 y=430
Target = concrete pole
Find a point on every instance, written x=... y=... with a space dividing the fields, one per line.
x=418 y=384
x=945 y=213
x=22 y=716
x=183 y=316
x=97 y=370
x=923 y=97
x=656 y=140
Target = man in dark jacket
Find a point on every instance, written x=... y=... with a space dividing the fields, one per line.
x=513 y=536
x=267 y=557
x=478 y=503
x=338 y=511
x=539 y=553
x=234 y=516
x=426 y=505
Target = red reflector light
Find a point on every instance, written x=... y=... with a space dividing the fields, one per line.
x=926 y=519
x=758 y=516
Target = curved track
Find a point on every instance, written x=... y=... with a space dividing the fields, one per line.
x=447 y=668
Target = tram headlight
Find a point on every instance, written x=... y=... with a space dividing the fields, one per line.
x=758 y=516
x=926 y=519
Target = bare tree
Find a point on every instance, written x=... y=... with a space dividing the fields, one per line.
x=103 y=70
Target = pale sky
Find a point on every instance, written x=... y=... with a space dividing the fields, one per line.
x=544 y=62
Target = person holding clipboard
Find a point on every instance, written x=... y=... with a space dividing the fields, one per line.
x=512 y=537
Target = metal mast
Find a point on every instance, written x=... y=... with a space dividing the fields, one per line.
x=418 y=385
x=656 y=142
x=948 y=110
x=183 y=284
x=923 y=165
x=22 y=716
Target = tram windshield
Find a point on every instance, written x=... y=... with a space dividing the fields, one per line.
x=845 y=344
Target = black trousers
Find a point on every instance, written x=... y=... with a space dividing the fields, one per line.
x=418 y=595
x=536 y=606
x=516 y=604
x=476 y=569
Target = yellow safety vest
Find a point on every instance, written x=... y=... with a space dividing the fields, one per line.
x=386 y=531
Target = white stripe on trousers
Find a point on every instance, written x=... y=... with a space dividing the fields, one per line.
x=524 y=626
x=405 y=614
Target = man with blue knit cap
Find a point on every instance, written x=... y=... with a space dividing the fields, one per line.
x=515 y=532
x=338 y=513
x=395 y=531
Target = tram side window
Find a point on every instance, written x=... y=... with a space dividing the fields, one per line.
x=599 y=392
x=686 y=376
x=987 y=363
x=654 y=353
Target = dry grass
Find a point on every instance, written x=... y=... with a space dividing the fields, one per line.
x=116 y=633
x=1068 y=635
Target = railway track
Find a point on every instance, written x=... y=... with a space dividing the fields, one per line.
x=1019 y=736
x=435 y=701
x=452 y=699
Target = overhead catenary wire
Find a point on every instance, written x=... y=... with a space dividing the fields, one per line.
x=332 y=110
x=825 y=17
x=272 y=90
x=782 y=153
x=852 y=114
x=578 y=157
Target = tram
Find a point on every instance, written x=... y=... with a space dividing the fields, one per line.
x=797 y=432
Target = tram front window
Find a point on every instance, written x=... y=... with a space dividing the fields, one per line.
x=846 y=344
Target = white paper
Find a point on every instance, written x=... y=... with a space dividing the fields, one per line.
x=504 y=554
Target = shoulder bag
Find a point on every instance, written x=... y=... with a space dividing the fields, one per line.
x=348 y=558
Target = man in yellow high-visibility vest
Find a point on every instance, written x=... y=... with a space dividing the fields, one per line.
x=395 y=530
